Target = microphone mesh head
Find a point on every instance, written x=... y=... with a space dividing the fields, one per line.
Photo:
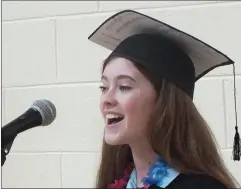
x=47 y=111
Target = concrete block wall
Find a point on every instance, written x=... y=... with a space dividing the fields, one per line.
x=46 y=54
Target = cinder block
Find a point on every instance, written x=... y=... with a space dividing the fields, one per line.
x=28 y=52
x=230 y=108
x=78 y=58
x=13 y=10
x=78 y=125
x=120 y=5
x=3 y=107
x=75 y=137
x=208 y=99
x=31 y=171
x=234 y=167
x=79 y=170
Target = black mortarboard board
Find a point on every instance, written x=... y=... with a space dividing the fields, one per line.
x=162 y=49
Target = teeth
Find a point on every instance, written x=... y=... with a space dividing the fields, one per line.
x=111 y=116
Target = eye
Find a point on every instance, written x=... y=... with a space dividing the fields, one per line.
x=102 y=88
x=125 y=88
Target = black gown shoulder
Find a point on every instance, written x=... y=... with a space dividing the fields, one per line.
x=193 y=182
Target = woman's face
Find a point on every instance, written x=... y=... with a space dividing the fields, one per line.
x=126 y=102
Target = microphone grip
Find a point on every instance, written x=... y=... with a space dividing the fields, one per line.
x=27 y=120
x=3 y=157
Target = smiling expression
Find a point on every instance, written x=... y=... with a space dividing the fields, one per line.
x=126 y=102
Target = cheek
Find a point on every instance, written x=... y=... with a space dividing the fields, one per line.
x=137 y=102
x=131 y=105
x=138 y=108
x=135 y=108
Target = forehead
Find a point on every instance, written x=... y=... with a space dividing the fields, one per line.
x=121 y=66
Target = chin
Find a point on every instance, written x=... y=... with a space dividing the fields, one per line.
x=114 y=141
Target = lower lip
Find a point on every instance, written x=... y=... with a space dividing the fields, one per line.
x=114 y=124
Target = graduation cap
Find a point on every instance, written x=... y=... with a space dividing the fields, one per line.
x=164 y=50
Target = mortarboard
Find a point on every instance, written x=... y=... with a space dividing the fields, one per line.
x=164 y=50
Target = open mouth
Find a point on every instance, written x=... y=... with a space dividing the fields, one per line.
x=113 y=119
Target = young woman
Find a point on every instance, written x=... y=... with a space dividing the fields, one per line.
x=154 y=135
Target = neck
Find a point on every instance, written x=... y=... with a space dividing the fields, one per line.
x=143 y=156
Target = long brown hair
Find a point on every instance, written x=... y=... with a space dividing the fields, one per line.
x=178 y=133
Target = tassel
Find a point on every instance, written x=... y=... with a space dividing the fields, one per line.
x=236 y=145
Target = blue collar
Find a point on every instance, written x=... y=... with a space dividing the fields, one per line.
x=159 y=174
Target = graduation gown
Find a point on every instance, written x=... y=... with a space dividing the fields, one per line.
x=162 y=175
x=183 y=181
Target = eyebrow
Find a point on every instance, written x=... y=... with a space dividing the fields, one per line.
x=119 y=77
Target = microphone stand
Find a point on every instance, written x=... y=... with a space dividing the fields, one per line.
x=5 y=148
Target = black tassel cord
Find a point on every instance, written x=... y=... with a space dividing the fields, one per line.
x=236 y=145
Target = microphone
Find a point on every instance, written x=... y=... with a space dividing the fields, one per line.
x=41 y=113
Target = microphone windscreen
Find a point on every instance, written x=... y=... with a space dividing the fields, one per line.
x=46 y=109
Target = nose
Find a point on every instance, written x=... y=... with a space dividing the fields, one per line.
x=109 y=99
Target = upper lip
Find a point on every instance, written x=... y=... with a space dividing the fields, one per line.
x=111 y=112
